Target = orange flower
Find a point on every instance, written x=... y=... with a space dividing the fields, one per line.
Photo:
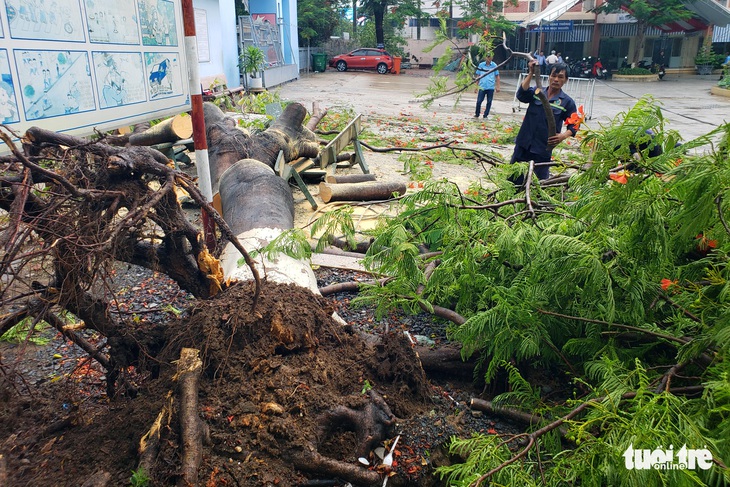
x=705 y=244
x=667 y=283
x=577 y=118
x=621 y=177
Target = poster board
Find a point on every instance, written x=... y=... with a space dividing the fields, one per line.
x=76 y=66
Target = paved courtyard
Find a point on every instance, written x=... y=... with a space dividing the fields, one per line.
x=687 y=104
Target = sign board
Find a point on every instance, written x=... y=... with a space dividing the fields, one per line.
x=76 y=66
x=555 y=26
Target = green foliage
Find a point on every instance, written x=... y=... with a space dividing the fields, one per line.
x=139 y=478
x=394 y=43
x=633 y=71
x=648 y=12
x=706 y=55
x=292 y=242
x=331 y=223
x=479 y=18
x=615 y=283
x=251 y=103
x=317 y=21
x=252 y=60
x=28 y=330
x=725 y=80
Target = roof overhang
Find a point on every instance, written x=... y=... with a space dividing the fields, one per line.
x=709 y=11
x=552 y=12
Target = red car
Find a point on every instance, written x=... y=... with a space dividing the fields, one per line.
x=365 y=58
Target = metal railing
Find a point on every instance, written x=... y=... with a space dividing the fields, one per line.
x=579 y=89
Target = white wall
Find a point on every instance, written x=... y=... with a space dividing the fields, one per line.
x=221 y=16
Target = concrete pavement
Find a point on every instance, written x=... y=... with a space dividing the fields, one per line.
x=687 y=104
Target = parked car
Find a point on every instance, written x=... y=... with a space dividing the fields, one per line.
x=365 y=58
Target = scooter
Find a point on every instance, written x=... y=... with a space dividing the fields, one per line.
x=598 y=71
x=659 y=70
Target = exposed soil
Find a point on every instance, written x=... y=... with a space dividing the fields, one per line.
x=269 y=376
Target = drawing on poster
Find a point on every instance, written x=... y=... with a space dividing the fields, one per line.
x=53 y=20
x=112 y=22
x=54 y=83
x=8 y=103
x=163 y=74
x=119 y=78
x=157 y=19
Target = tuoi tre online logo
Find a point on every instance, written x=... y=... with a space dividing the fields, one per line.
x=658 y=459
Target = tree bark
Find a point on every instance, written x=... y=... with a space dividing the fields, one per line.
x=349 y=178
x=229 y=144
x=367 y=191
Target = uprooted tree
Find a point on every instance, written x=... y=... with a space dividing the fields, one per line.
x=615 y=279
x=261 y=345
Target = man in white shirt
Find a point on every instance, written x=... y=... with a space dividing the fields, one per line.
x=550 y=60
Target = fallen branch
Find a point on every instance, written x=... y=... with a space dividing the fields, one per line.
x=535 y=435
x=510 y=413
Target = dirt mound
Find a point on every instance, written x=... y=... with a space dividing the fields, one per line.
x=277 y=382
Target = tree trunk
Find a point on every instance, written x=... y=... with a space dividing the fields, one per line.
x=229 y=144
x=367 y=191
x=640 y=40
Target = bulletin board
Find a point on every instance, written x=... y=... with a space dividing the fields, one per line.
x=76 y=66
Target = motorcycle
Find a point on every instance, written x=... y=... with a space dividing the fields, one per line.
x=579 y=69
x=598 y=71
x=659 y=70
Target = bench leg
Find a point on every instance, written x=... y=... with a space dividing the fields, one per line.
x=359 y=157
x=303 y=187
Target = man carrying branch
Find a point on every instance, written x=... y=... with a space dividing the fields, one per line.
x=539 y=134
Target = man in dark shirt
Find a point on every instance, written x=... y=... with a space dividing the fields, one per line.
x=533 y=143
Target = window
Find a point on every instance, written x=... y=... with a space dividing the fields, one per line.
x=588 y=5
x=533 y=5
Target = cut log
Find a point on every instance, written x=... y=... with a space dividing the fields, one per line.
x=179 y=127
x=349 y=178
x=367 y=191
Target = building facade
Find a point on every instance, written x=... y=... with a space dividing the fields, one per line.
x=221 y=36
x=571 y=28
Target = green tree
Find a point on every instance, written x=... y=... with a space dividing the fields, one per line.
x=648 y=13
x=390 y=15
x=317 y=21
x=617 y=282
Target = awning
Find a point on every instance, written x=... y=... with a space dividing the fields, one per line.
x=689 y=25
x=709 y=11
x=552 y=12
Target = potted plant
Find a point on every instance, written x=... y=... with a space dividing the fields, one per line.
x=251 y=62
x=705 y=60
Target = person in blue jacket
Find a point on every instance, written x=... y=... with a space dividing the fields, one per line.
x=533 y=143
x=488 y=83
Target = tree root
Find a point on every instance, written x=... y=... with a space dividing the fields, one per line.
x=370 y=424
x=192 y=429
x=189 y=368
x=312 y=461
